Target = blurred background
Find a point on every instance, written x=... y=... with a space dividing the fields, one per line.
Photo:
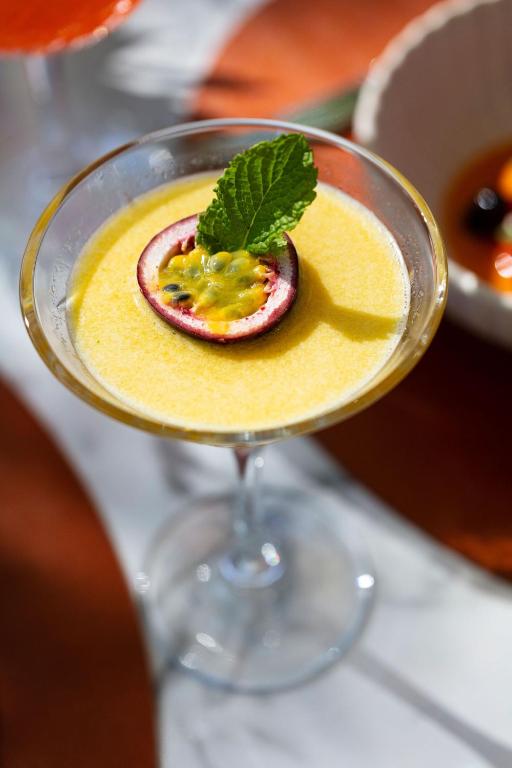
x=425 y=473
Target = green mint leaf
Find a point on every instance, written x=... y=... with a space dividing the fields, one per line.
x=263 y=192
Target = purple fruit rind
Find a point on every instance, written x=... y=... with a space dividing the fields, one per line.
x=180 y=237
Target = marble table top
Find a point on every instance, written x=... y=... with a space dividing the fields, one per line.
x=429 y=683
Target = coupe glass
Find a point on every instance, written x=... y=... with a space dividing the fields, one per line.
x=261 y=587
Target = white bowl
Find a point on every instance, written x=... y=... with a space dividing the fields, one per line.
x=440 y=93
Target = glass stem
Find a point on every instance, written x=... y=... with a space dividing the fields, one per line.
x=250 y=465
x=52 y=114
x=254 y=559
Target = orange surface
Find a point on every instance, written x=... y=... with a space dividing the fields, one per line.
x=436 y=447
x=34 y=26
x=293 y=51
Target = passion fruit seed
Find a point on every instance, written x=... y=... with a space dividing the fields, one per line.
x=217 y=263
x=220 y=297
x=485 y=212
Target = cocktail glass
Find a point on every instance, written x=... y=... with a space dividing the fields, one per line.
x=42 y=31
x=259 y=588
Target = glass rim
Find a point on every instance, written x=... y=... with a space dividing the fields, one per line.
x=217 y=436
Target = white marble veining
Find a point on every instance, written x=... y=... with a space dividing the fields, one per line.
x=428 y=685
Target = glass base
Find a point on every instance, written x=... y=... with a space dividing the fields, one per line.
x=267 y=623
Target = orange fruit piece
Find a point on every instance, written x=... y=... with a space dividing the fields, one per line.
x=505 y=181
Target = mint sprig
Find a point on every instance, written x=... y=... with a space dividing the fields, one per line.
x=263 y=192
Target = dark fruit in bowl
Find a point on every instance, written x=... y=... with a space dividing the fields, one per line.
x=222 y=297
x=485 y=212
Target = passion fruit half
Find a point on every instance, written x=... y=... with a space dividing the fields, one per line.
x=223 y=297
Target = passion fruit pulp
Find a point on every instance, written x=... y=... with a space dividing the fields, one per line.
x=223 y=297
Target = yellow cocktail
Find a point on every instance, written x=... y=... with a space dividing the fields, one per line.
x=350 y=311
